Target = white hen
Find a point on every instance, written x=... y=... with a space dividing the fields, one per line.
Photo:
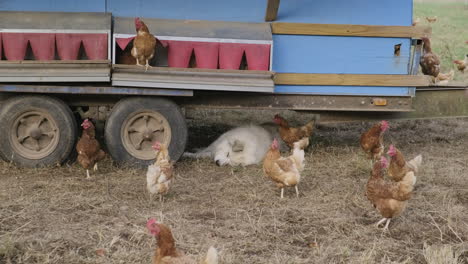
x=159 y=175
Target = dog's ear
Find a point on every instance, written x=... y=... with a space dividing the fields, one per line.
x=237 y=146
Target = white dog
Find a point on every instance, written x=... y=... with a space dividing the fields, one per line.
x=240 y=146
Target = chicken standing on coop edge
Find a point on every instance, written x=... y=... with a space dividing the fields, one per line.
x=430 y=63
x=88 y=148
x=160 y=174
x=166 y=251
x=144 y=44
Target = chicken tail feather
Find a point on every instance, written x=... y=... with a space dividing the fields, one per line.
x=211 y=256
x=415 y=163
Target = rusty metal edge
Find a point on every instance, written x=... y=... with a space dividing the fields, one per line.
x=96 y=90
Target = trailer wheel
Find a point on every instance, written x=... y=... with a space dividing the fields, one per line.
x=37 y=131
x=135 y=123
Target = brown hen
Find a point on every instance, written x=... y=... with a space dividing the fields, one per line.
x=389 y=198
x=398 y=167
x=430 y=63
x=166 y=251
x=372 y=140
x=144 y=44
x=88 y=148
x=285 y=171
x=293 y=134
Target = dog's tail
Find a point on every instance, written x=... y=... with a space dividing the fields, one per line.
x=200 y=154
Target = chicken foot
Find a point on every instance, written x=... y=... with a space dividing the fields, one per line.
x=138 y=63
x=147 y=65
x=383 y=220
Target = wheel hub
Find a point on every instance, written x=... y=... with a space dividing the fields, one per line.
x=140 y=130
x=148 y=135
x=34 y=134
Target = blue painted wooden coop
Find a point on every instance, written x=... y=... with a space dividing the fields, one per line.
x=324 y=56
x=225 y=34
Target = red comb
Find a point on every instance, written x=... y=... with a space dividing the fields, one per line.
x=152 y=226
x=156 y=145
x=384 y=125
x=150 y=222
x=383 y=162
x=391 y=150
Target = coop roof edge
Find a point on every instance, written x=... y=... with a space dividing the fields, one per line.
x=31 y=21
x=197 y=28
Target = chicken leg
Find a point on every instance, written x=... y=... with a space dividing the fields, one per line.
x=297 y=191
x=381 y=222
x=138 y=63
x=282 y=192
x=95 y=167
x=87 y=174
x=147 y=65
x=386 y=225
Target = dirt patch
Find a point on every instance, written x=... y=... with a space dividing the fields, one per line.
x=55 y=215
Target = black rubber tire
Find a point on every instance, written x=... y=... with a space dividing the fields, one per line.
x=60 y=113
x=127 y=107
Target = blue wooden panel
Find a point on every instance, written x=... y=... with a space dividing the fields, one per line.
x=54 y=5
x=362 y=12
x=330 y=54
x=343 y=90
x=238 y=10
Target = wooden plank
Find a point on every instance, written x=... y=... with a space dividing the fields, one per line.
x=170 y=70
x=395 y=80
x=98 y=90
x=298 y=102
x=272 y=10
x=193 y=79
x=350 y=30
x=332 y=54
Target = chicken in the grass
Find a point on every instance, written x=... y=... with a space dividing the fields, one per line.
x=372 y=140
x=431 y=19
x=144 y=44
x=444 y=78
x=160 y=174
x=398 y=167
x=285 y=171
x=293 y=134
x=388 y=197
x=166 y=251
x=462 y=64
x=88 y=148
x=430 y=63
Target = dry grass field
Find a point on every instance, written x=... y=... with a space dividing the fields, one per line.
x=55 y=215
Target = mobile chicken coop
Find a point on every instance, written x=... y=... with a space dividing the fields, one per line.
x=341 y=59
